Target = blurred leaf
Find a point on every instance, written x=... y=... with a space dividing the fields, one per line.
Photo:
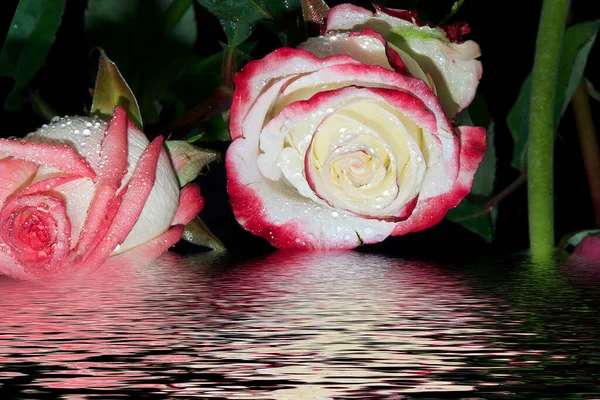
x=149 y=41
x=578 y=42
x=196 y=232
x=31 y=34
x=189 y=160
x=483 y=183
x=215 y=130
x=196 y=78
x=572 y=240
x=469 y=214
x=111 y=90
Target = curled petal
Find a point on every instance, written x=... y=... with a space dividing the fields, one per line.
x=148 y=251
x=190 y=204
x=61 y=157
x=134 y=198
x=14 y=175
x=430 y=211
x=111 y=170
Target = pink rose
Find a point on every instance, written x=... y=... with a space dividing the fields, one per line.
x=347 y=145
x=80 y=190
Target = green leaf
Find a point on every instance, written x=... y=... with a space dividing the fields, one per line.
x=483 y=183
x=236 y=32
x=578 y=42
x=573 y=239
x=470 y=214
x=31 y=34
x=245 y=11
x=196 y=232
x=111 y=90
x=189 y=160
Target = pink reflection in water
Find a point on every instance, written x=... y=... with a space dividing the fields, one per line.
x=333 y=324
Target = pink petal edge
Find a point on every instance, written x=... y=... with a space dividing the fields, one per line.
x=431 y=211
x=137 y=191
x=190 y=204
x=61 y=157
x=113 y=166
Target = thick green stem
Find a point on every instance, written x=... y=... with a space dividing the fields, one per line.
x=541 y=127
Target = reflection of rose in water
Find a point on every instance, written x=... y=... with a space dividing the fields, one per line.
x=331 y=324
x=289 y=326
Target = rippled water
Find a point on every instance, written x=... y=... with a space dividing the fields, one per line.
x=304 y=326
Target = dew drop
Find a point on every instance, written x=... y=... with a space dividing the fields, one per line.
x=88 y=125
x=69 y=123
x=56 y=118
x=335 y=214
x=76 y=131
x=86 y=132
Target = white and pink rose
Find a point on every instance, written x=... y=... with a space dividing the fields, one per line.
x=347 y=139
x=80 y=190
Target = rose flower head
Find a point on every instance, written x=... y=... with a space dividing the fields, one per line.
x=347 y=139
x=81 y=190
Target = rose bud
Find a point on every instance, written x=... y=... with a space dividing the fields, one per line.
x=335 y=151
x=80 y=190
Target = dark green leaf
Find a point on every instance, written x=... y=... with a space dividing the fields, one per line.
x=470 y=214
x=197 y=232
x=483 y=183
x=236 y=32
x=31 y=34
x=111 y=90
x=215 y=130
x=578 y=42
x=245 y=11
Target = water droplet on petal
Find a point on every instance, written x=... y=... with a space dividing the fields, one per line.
x=86 y=132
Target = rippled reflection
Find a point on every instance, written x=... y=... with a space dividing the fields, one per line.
x=302 y=326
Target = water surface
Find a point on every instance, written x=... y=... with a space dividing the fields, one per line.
x=305 y=326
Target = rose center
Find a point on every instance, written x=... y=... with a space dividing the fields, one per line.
x=33 y=231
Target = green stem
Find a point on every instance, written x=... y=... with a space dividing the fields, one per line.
x=541 y=127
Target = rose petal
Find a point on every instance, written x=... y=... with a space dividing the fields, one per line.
x=35 y=231
x=453 y=65
x=14 y=175
x=430 y=211
x=190 y=204
x=148 y=251
x=252 y=80
x=134 y=198
x=58 y=156
x=112 y=168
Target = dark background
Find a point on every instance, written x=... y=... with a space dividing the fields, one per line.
x=506 y=33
